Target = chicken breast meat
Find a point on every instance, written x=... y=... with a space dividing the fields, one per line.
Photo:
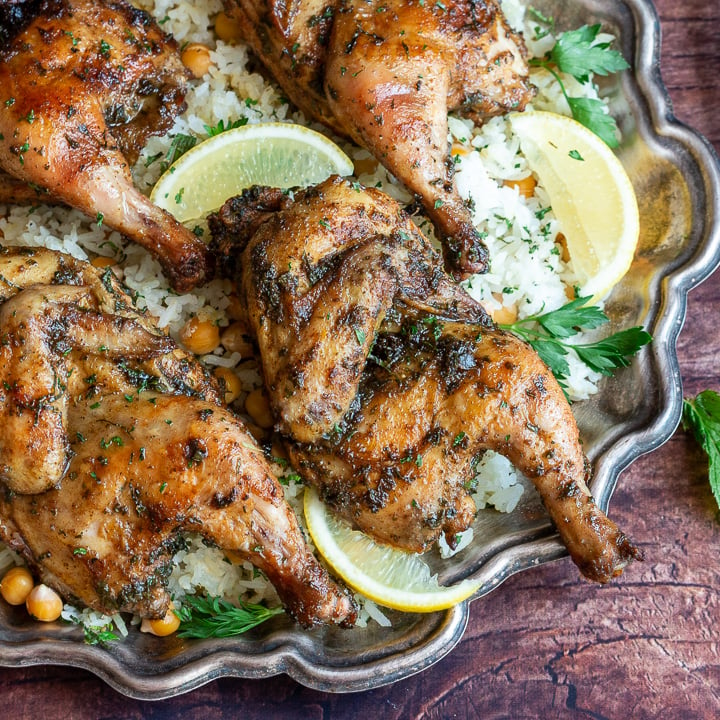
x=116 y=444
x=83 y=85
x=385 y=74
x=388 y=382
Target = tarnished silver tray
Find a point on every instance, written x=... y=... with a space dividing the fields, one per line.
x=676 y=175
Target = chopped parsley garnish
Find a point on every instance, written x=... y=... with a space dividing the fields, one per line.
x=223 y=126
x=180 y=144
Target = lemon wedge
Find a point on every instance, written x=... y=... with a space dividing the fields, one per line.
x=391 y=577
x=590 y=193
x=275 y=154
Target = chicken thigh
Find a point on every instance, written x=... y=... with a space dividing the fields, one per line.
x=116 y=444
x=385 y=74
x=388 y=381
x=83 y=84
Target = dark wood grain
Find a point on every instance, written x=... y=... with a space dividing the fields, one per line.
x=546 y=644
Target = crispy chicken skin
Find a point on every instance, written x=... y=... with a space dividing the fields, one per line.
x=115 y=443
x=385 y=74
x=83 y=85
x=388 y=381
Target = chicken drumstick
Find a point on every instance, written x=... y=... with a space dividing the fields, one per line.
x=386 y=73
x=83 y=84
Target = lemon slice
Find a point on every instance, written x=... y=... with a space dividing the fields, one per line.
x=590 y=193
x=391 y=577
x=275 y=154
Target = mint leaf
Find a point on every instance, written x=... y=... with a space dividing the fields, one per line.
x=702 y=416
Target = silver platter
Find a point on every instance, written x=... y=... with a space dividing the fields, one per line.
x=676 y=175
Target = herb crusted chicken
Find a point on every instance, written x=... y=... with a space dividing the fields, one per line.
x=115 y=444
x=83 y=85
x=388 y=381
x=385 y=74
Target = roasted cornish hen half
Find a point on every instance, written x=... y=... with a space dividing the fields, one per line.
x=115 y=444
x=388 y=381
x=83 y=84
x=385 y=74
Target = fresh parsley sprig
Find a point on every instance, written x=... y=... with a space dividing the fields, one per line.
x=547 y=333
x=577 y=53
x=213 y=617
x=702 y=415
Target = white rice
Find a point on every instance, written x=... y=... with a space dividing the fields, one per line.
x=527 y=273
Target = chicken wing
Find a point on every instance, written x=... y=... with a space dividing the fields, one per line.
x=115 y=444
x=385 y=74
x=83 y=85
x=388 y=381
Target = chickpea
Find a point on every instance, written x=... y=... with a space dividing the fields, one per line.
x=196 y=58
x=236 y=308
x=458 y=150
x=256 y=431
x=278 y=453
x=200 y=336
x=257 y=406
x=228 y=28
x=234 y=339
x=16 y=585
x=365 y=165
x=163 y=626
x=231 y=382
x=561 y=240
x=101 y=261
x=44 y=604
x=234 y=557
x=505 y=315
x=525 y=186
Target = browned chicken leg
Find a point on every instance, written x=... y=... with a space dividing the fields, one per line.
x=385 y=74
x=115 y=444
x=83 y=84
x=388 y=381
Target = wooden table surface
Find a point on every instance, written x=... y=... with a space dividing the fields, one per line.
x=546 y=644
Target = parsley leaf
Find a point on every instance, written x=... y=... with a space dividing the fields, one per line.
x=553 y=353
x=562 y=323
x=547 y=332
x=702 y=416
x=577 y=53
x=613 y=352
x=592 y=114
x=206 y=617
